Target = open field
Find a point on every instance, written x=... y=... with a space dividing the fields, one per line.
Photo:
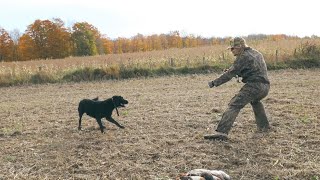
x=273 y=51
x=165 y=121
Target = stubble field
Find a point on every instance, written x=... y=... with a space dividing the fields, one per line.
x=165 y=121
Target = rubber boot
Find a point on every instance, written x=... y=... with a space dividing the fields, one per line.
x=260 y=116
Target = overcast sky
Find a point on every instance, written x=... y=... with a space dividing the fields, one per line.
x=207 y=18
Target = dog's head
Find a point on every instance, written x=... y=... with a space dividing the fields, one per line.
x=119 y=101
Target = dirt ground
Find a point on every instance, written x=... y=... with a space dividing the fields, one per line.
x=165 y=121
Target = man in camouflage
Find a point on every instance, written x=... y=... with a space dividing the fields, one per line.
x=251 y=67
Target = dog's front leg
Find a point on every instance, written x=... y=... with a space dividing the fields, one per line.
x=110 y=119
x=100 y=124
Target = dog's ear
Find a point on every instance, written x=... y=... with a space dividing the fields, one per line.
x=117 y=97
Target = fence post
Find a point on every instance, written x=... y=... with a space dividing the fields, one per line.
x=204 y=60
x=277 y=52
x=171 y=62
x=188 y=63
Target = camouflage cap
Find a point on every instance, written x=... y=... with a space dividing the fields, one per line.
x=237 y=42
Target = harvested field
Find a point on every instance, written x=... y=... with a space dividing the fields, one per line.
x=165 y=122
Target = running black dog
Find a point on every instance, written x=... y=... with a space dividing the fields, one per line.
x=101 y=109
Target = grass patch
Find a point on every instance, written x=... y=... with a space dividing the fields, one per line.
x=92 y=74
x=125 y=72
x=303 y=63
x=42 y=77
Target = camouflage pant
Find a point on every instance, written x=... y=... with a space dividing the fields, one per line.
x=250 y=93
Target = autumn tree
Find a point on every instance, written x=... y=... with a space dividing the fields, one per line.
x=15 y=36
x=148 y=43
x=26 y=48
x=156 y=42
x=216 y=41
x=118 y=45
x=164 y=41
x=277 y=37
x=49 y=39
x=190 y=41
x=59 y=40
x=174 y=40
x=6 y=46
x=138 y=43
x=108 y=45
x=127 y=45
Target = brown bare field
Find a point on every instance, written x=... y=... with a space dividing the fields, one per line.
x=165 y=122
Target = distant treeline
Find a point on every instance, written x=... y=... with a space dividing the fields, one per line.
x=50 y=39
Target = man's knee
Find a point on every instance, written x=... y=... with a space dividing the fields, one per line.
x=239 y=101
x=255 y=103
x=235 y=107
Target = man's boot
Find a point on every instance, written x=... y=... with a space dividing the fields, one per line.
x=216 y=136
x=260 y=116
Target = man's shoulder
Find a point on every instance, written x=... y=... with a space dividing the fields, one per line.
x=251 y=52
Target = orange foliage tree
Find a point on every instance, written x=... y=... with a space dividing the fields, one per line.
x=26 y=48
x=174 y=40
x=108 y=45
x=45 y=39
x=6 y=46
x=155 y=42
x=139 y=43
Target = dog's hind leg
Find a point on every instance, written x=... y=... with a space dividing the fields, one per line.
x=80 y=117
x=100 y=124
x=81 y=111
x=110 y=119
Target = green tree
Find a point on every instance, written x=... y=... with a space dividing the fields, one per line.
x=85 y=37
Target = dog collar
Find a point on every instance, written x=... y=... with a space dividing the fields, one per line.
x=115 y=106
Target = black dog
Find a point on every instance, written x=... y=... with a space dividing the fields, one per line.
x=101 y=109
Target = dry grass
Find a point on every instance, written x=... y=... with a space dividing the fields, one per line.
x=165 y=122
x=143 y=59
x=154 y=59
x=278 y=54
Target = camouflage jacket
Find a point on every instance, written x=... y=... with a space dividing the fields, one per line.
x=249 y=65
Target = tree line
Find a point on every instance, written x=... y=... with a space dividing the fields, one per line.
x=50 y=39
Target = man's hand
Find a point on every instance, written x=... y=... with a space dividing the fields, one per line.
x=211 y=84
